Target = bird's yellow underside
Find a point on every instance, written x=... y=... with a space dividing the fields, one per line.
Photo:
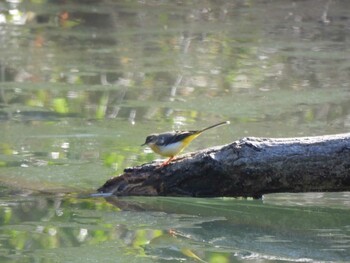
x=173 y=149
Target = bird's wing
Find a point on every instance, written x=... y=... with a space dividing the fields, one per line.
x=175 y=137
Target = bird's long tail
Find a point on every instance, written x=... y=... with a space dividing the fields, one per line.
x=213 y=126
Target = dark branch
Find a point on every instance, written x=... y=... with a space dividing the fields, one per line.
x=249 y=167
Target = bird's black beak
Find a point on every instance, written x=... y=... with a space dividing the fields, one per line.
x=143 y=144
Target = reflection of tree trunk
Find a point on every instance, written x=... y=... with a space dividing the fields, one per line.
x=248 y=167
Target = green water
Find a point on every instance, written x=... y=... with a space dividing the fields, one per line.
x=65 y=228
x=82 y=83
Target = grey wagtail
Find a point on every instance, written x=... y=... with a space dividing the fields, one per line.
x=172 y=143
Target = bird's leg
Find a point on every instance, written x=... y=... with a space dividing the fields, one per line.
x=167 y=161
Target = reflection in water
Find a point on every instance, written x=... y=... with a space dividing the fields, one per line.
x=34 y=227
x=83 y=82
x=135 y=62
x=31 y=224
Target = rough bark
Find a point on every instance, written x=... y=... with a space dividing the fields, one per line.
x=249 y=167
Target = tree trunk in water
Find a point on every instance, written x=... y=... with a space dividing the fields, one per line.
x=249 y=167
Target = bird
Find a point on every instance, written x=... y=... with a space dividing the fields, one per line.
x=170 y=144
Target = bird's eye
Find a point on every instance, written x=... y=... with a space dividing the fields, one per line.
x=151 y=138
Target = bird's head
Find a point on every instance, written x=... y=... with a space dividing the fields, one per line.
x=151 y=139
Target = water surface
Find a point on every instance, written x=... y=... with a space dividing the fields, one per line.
x=82 y=83
x=63 y=228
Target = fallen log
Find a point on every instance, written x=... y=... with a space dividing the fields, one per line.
x=250 y=167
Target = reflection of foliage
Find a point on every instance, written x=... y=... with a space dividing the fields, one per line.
x=47 y=223
x=113 y=58
x=114 y=160
x=203 y=230
x=60 y=105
